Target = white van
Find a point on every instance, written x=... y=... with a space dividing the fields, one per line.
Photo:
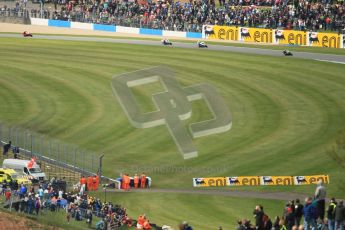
x=21 y=167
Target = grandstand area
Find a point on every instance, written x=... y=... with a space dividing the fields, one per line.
x=287 y=113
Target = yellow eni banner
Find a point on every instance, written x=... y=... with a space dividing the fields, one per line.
x=277 y=180
x=324 y=40
x=290 y=37
x=255 y=35
x=210 y=182
x=244 y=180
x=220 y=32
x=302 y=180
x=259 y=180
x=283 y=37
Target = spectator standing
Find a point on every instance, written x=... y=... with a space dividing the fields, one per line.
x=140 y=222
x=89 y=217
x=147 y=225
x=31 y=204
x=309 y=212
x=289 y=216
x=7 y=148
x=320 y=196
x=340 y=216
x=240 y=225
x=37 y=205
x=8 y=195
x=68 y=212
x=22 y=205
x=186 y=226
x=276 y=223
x=282 y=225
x=40 y=192
x=298 y=212
x=259 y=214
x=331 y=214
x=22 y=191
x=267 y=223
x=60 y=194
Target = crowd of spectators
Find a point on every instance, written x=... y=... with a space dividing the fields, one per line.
x=78 y=205
x=48 y=198
x=292 y=216
x=328 y=15
x=313 y=214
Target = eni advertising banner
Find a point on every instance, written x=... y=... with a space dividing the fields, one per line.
x=277 y=180
x=246 y=34
x=290 y=37
x=283 y=37
x=304 y=180
x=259 y=180
x=244 y=180
x=329 y=40
x=220 y=32
x=210 y=182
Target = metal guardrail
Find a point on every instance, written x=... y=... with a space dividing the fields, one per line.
x=67 y=166
x=52 y=152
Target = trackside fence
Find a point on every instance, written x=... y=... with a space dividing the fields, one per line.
x=56 y=156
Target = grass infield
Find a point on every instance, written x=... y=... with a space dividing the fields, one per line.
x=287 y=114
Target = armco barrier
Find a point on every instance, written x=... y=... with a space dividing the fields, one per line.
x=39 y=21
x=113 y=28
x=127 y=30
x=268 y=36
x=168 y=33
x=194 y=35
x=101 y=27
x=58 y=23
x=150 y=32
x=80 y=25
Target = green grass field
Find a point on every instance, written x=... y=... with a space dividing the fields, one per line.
x=287 y=115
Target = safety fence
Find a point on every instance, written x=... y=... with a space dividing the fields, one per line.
x=113 y=28
x=52 y=152
x=242 y=34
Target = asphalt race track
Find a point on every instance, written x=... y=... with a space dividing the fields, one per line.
x=339 y=59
